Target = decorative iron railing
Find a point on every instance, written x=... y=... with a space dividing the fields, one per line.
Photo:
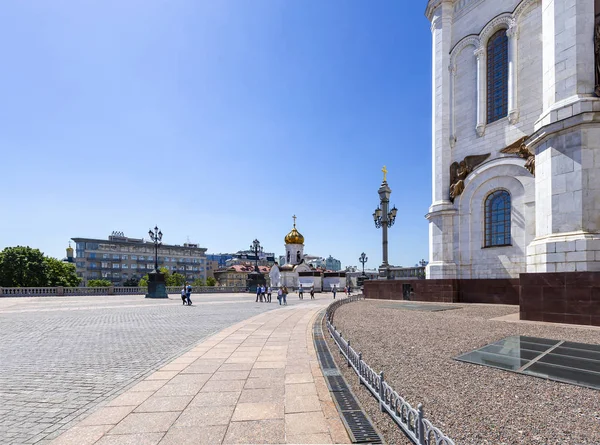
x=412 y=421
x=111 y=290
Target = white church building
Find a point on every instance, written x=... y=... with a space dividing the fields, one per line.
x=515 y=137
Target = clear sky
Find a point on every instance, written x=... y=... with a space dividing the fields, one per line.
x=216 y=120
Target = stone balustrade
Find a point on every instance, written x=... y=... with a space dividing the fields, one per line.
x=60 y=291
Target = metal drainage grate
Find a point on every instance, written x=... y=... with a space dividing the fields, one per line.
x=345 y=401
x=359 y=427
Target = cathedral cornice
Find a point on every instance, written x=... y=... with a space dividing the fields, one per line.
x=432 y=6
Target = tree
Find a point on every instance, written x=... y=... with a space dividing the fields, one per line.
x=131 y=282
x=60 y=273
x=99 y=283
x=23 y=267
x=198 y=282
x=210 y=281
x=175 y=280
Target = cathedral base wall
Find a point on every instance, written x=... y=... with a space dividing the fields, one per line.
x=567 y=297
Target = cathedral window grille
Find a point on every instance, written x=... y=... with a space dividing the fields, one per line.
x=497 y=219
x=497 y=77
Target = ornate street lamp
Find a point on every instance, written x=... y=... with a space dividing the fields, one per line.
x=384 y=218
x=156 y=238
x=255 y=278
x=256 y=248
x=157 y=287
x=363 y=259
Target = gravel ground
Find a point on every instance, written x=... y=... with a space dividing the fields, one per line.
x=472 y=404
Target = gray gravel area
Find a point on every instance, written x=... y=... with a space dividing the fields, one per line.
x=472 y=404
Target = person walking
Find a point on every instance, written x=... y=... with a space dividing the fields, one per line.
x=269 y=294
x=257 y=292
x=312 y=293
x=285 y=294
x=334 y=290
x=188 y=294
x=183 y=296
x=263 y=293
x=301 y=292
x=280 y=295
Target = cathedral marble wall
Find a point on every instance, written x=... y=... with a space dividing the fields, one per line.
x=555 y=221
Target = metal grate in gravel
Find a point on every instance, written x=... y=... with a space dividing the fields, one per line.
x=358 y=425
x=563 y=361
x=420 y=307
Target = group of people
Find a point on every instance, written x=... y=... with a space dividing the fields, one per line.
x=186 y=293
x=301 y=292
x=263 y=294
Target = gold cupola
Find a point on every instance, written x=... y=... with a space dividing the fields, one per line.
x=294 y=237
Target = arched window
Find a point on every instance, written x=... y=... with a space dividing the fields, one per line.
x=497 y=219
x=497 y=76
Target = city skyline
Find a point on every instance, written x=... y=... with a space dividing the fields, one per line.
x=217 y=121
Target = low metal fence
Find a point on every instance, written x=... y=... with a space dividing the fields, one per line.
x=60 y=291
x=411 y=420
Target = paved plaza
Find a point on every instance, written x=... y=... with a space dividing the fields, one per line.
x=62 y=358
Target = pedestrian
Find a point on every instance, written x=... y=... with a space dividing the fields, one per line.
x=349 y=290
x=346 y=290
x=183 y=296
x=312 y=293
x=269 y=294
x=285 y=293
x=188 y=294
x=263 y=293
x=257 y=292
x=280 y=295
x=301 y=292
x=334 y=290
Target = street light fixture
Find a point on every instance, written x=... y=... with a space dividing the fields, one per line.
x=384 y=218
x=257 y=249
x=363 y=259
x=157 y=287
x=156 y=238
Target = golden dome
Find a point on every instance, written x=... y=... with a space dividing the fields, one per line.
x=294 y=237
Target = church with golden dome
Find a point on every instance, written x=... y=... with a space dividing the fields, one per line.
x=296 y=271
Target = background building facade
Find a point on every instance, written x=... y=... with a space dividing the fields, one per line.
x=516 y=138
x=121 y=258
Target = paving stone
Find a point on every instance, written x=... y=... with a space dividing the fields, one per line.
x=131 y=439
x=309 y=438
x=145 y=423
x=214 y=399
x=198 y=435
x=305 y=423
x=257 y=411
x=159 y=404
x=204 y=415
x=256 y=431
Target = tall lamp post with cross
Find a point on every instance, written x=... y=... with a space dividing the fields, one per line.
x=363 y=259
x=157 y=287
x=384 y=218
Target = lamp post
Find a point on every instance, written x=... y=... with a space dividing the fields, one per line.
x=255 y=278
x=384 y=218
x=256 y=248
x=156 y=238
x=363 y=259
x=157 y=287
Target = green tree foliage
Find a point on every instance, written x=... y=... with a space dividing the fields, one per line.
x=22 y=267
x=99 y=283
x=210 y=281
x=131 y=282
x=26 y=267
x=60 y=273
x=198 y=282
x=171 y=280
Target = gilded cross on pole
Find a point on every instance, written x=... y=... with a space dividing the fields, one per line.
x=384 y=170
x=294 y=220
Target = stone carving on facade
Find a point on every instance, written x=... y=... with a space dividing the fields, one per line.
x=460 y=170
x=597 y=52
x=518 y=147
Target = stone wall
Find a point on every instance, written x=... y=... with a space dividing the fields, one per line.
x=572 y=298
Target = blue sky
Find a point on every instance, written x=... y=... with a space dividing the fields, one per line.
x=216 y=120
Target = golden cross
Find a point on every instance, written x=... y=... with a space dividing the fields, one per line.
x=294 y=220
x=384 y=170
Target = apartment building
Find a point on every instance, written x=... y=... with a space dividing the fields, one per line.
x=120 y=258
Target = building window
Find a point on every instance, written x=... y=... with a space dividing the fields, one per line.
x=497 y=219
x=105 y=255
x=116 y=257
x=124 y=266
x=134 y=266
x=134 y=257
x=115 y=266
x=497 y=76
x=124 y=257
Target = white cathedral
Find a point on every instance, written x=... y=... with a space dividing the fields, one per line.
x=515 y=137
